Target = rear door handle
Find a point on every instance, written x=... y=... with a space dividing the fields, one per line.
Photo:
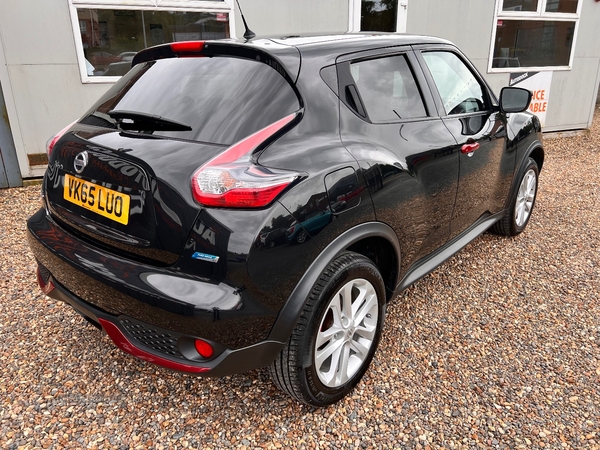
x=469 y=148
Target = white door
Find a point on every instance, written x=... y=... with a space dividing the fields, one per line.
x=378 y=15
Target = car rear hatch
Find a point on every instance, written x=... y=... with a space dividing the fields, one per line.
x=121 y=177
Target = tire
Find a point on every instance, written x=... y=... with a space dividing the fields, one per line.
x=522 y=202
x=329 y=351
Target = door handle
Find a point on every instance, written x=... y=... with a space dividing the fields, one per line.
x=469 y=148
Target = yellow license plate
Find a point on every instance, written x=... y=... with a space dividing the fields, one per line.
x=101 y=200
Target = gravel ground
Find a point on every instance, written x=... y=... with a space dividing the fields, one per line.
x=498 y=348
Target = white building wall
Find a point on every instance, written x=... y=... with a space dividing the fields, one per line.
x=470 y=23
x=42 y=74
x=277 y=17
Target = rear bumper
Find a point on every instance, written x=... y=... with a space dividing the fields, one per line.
x=124 y=298
x=119 y=329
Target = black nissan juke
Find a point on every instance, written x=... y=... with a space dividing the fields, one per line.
x=229 y=205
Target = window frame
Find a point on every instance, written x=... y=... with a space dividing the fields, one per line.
x=535 y=16
x=225 y=6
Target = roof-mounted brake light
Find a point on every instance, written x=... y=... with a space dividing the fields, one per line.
x=187 y=47
x=172 y=50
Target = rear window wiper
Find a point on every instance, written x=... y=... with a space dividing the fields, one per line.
x=139 y=121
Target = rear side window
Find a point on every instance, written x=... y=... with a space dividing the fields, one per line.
x=388 y=89
x=460 y=91
x=221 y=99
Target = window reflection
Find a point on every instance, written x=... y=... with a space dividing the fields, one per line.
x=533 y=43
x=520 y=5
x=562 y=6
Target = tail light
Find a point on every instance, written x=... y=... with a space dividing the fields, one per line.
x=52 y=141
x=232 y=180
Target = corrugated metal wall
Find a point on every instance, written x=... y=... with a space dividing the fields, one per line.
x=10 y=175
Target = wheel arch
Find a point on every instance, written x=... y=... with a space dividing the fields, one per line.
x=374 y=240
x=536 y=152
x=382 y=253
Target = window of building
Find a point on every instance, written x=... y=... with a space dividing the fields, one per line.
x=108 y=34
x=388 y=89
x=534 y=34
x=378 y=15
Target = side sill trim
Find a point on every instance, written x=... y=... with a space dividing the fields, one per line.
x=431 y=262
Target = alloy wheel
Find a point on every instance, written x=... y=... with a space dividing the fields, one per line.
x=525 y=197
x=346 y=333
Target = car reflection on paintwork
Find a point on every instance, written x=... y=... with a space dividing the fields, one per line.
x=311 y=225
x=273 y=238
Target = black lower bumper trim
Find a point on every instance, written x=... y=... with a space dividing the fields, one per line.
x=228 y=362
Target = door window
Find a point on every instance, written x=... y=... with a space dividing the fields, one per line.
x=388 y=89
x=460 y=91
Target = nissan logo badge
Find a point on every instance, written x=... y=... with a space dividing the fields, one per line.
x=80 y=162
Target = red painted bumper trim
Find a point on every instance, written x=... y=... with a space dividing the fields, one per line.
x=46 y=288
x=124 y=344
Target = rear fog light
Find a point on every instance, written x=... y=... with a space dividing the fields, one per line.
x=203 y=348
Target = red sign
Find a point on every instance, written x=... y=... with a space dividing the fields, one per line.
x=221 y=17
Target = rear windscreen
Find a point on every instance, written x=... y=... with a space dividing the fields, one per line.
x=222 y=99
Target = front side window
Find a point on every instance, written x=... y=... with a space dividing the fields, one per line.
x=460 y=91
x=534 y=34
x=109 y=38
x=388 y=89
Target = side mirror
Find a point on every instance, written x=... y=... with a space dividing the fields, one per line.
x=514 y=99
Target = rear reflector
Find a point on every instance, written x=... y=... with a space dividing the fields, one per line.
x=52 y=141
x=231 y=180
x=124 y=344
